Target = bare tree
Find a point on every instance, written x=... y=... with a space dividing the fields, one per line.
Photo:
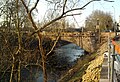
x=14 y=16
x=62 y=5
x=8 y=15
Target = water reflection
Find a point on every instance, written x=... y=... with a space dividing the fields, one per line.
x=71 y=50
x=64 y=57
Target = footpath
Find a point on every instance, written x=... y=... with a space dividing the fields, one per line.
x=94 y=69
x=104 y=71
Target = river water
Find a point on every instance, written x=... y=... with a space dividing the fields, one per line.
x=70 y=52
x=64 y=57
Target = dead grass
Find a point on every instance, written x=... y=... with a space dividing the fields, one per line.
x=76 y=72
x=87 y=66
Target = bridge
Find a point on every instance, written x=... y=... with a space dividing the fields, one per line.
x=89 y=41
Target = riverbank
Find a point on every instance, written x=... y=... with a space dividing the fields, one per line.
x=87 y=68
x=75 y=73
x=93 y=71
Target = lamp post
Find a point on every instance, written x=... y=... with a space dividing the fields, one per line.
x=115 y=24
x=113 y=12
x=113 y=54
x=113 y=57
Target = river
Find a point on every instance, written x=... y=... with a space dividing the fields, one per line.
x=70 y=52
x=64 y=57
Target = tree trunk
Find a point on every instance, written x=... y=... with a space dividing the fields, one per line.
x=41 y=49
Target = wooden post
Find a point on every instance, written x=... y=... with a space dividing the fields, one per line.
x=80 y=40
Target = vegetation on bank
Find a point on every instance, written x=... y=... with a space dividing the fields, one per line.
x=87 y=68
x=76 y=72
x=30 y=55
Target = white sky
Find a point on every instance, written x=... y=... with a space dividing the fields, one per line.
x=99 y=5
x=42 y=7
x=111 y=7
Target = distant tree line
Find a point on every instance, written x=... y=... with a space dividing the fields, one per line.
x=103 y=19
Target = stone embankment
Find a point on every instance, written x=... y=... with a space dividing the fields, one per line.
x=93 y=71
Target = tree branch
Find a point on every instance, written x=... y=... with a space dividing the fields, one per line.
x=28 y=2
x=27 y=10
x=61 y=16
x=34 y=6
x=39 y=38
x=64 y=6
x=71 y=15
x=79 y=8
x=53 y=45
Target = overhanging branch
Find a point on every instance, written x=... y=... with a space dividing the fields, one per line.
x=63 y=14
x=64 y=6
x=27 y=10
x=34 y=6
x=71 y=15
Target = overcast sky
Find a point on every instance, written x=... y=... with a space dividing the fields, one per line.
x=111 y=7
